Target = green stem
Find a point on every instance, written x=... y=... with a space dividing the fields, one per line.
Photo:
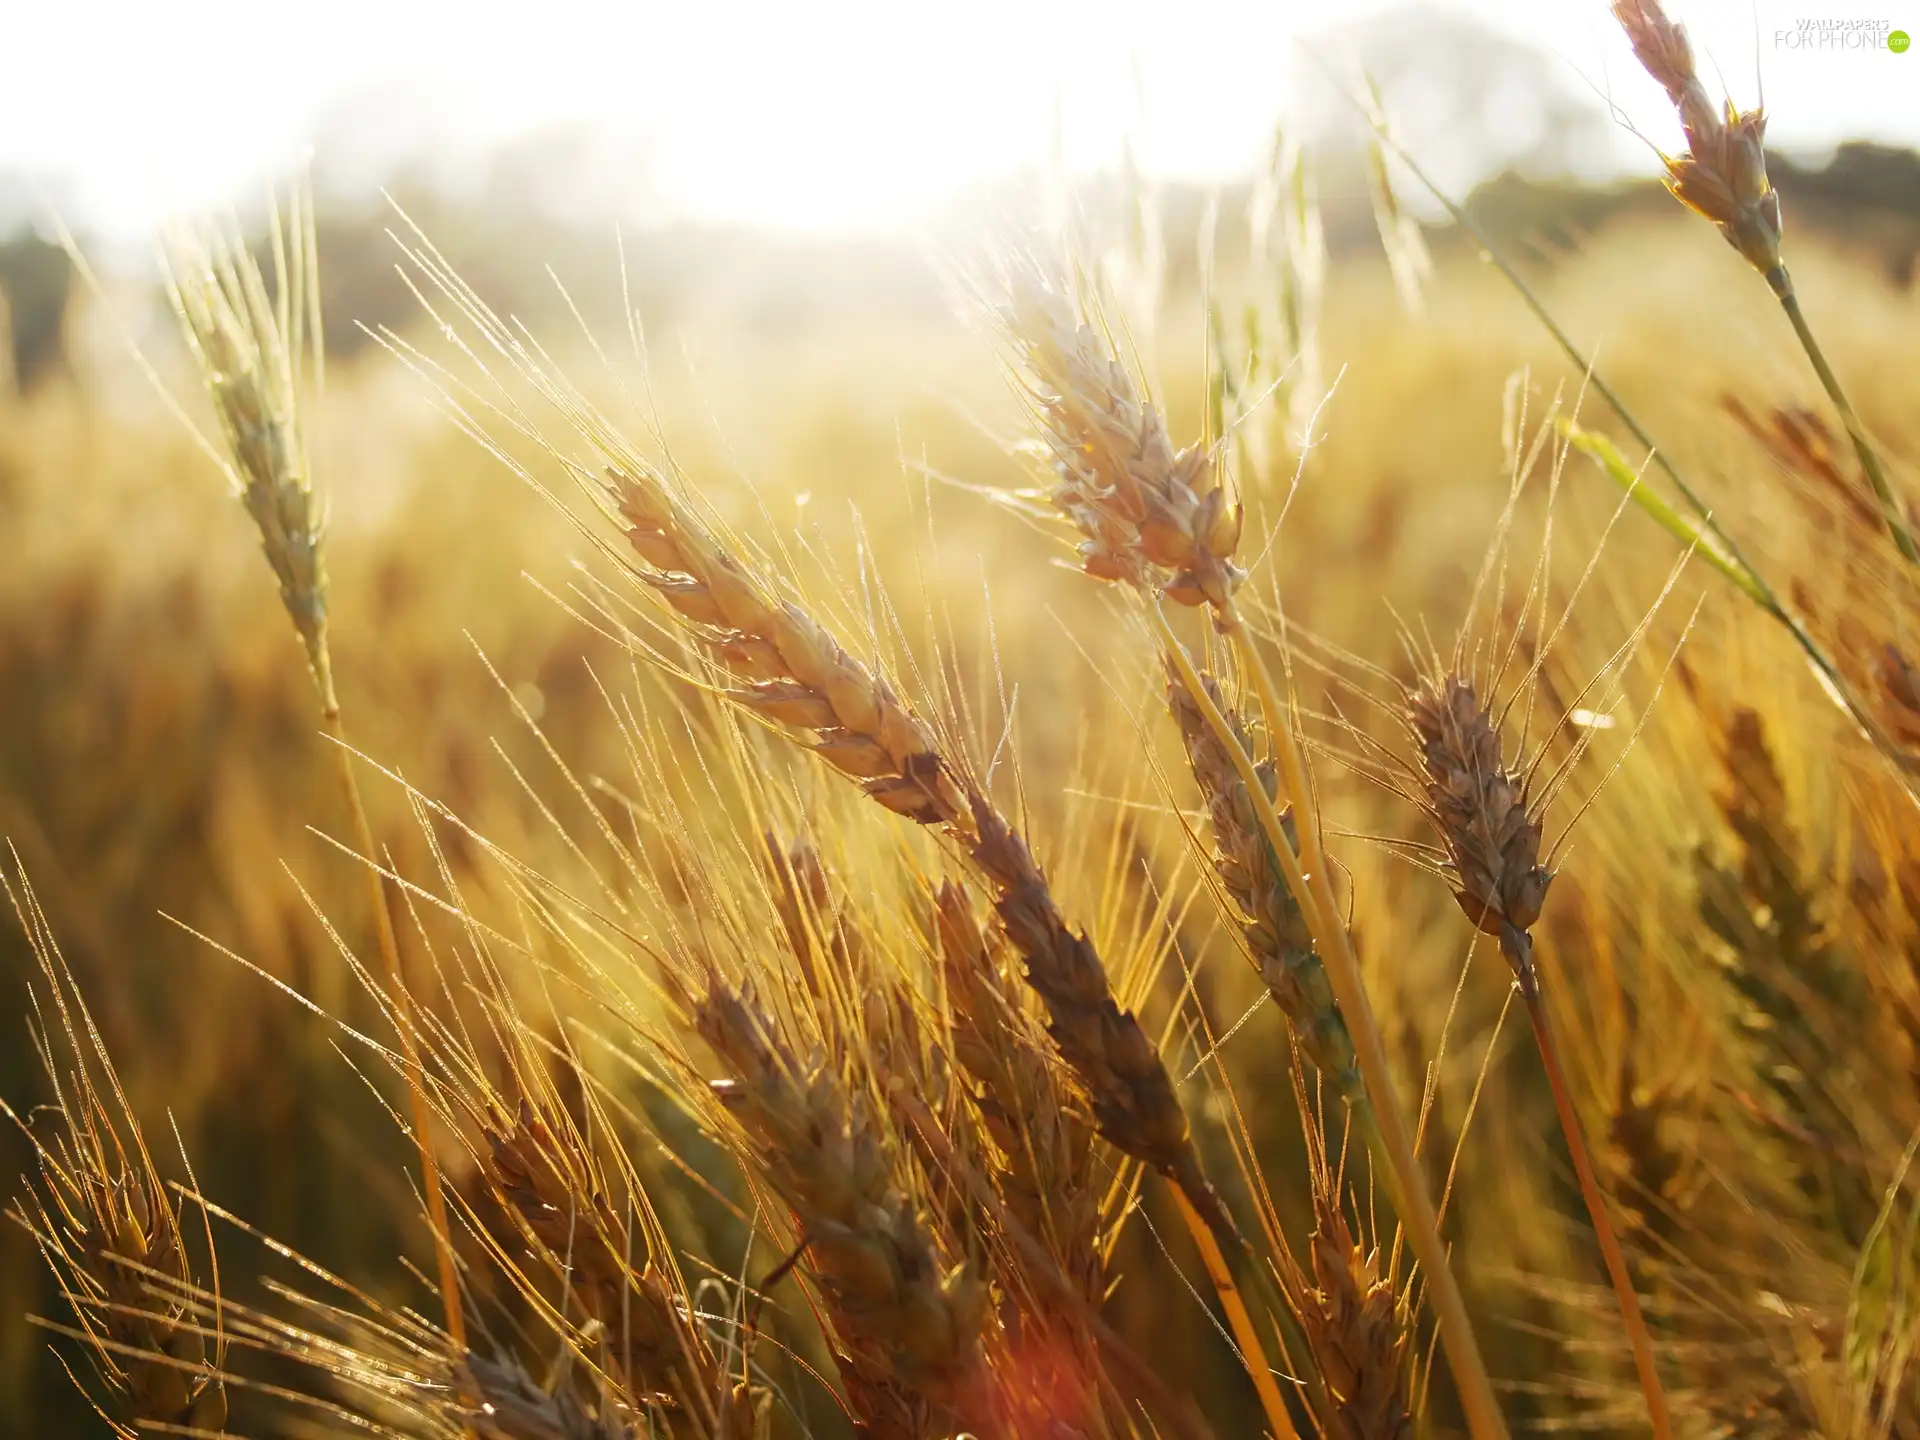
x=1869 y=460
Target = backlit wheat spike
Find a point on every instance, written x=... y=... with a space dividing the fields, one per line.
x=1479 y=806
x=540 y=1170
x=907 y=1323
x=795 y=673
x=1358 y=1334
x=249 y=353
x=1149 y=514
x=1040 y=1126
x=1273 y=926
x=1723 y=175
x=1491 y=836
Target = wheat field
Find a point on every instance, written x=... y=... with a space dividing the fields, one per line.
x=1087 y=838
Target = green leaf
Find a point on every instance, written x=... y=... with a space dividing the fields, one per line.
x=1599 y=449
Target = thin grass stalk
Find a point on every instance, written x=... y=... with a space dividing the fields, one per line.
x=1869 y=458
x=1630 y=1313
x=1380 y=1121
x=420 y=1112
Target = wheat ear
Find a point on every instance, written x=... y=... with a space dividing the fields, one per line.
x=1480 y=808
x=1358 y=1333
x=541 y=1171
x=1273 y=925
x=1040 y=1127
x=251 y=349
x=1162 y=523
x=103 y=1219
x=1723 y=176
x=909 y=1326
x=790 y=670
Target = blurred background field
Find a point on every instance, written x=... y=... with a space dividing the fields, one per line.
x=161 y=771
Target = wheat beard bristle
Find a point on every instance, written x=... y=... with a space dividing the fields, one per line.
x=1480 y=810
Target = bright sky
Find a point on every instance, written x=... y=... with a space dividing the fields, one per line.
x=828 y=115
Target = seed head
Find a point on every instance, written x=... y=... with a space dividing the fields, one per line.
x=1355 y=1326
x=105 y=1223
x=1480 y=809
x=1275 y=929
x=1723 y=175
x=908 y=1325
x=1150 y=515
x=249 y=353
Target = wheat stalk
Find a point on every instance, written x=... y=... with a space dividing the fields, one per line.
x=252 y=350
x=103 y=1219
x=1723 y=177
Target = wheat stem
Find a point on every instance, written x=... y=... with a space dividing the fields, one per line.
x=1869 y=459
x=1828 y=671
x=1252 y=1354
x=1409 y=1187
x=1630 y=1314
x=403 y=1004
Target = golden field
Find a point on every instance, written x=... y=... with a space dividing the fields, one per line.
x=608 y=861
